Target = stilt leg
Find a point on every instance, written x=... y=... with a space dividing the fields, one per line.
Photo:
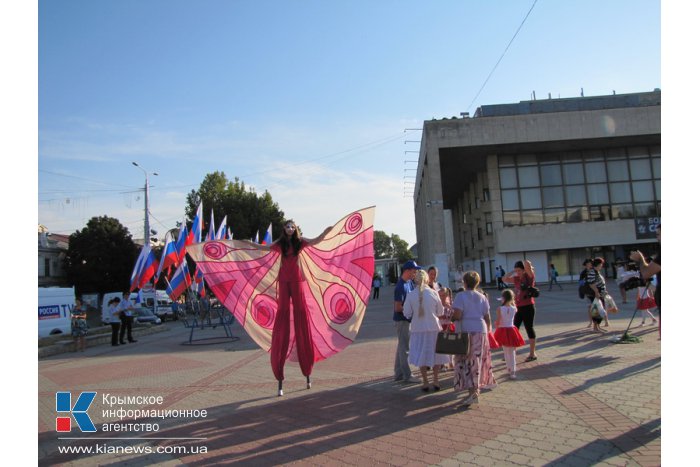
x=279 y=389
x=308 y=382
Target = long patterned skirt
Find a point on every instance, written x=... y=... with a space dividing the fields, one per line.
x=473 y=371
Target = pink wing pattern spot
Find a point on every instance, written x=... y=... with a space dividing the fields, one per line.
x=215 y=250
x=263 y=310
x=354 y=223
x=339 y=303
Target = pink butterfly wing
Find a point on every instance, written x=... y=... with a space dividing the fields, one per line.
x=244 y=279
x=338 y=279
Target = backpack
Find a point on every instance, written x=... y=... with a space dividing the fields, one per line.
x=584 y=288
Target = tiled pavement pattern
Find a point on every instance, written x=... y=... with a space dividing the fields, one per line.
x=585 y=401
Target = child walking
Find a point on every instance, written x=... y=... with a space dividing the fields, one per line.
x=506 y=333
x=646 y=303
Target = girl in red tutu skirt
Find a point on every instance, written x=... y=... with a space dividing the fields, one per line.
x=506 y=334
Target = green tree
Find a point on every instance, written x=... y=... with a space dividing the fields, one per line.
x=391 y=246
x=101 y=256
x=382 y=245
x=248 y=213
x=400 y=247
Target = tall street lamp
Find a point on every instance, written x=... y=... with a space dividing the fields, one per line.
x=146 y=225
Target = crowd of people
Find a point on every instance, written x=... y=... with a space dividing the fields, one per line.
x=424 y=311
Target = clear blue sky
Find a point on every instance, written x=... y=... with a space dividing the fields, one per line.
x=308 y=100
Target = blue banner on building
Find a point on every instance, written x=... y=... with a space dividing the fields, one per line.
x=645 y=227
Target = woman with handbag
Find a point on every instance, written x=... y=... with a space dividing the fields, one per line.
x=473 y=371
x=596 y=281
x=523 y=279
x=423 y=307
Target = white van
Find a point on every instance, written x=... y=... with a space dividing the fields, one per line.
x=55 y=305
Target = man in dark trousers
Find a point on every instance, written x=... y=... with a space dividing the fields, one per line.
x=402 y=371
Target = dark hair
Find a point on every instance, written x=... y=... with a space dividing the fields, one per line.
x=598 y=261
x=294 y=242
x=519 y=265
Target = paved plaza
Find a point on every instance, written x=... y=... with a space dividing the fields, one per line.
x=585 y=401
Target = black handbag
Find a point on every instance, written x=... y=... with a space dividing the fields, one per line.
x=452 y=343
x=533 y=292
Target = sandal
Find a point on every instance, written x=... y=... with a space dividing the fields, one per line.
x=531 y=358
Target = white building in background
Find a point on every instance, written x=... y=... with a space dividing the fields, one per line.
x=52 y=252
x=552 y=181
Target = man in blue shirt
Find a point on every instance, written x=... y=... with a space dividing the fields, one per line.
x=402 y=372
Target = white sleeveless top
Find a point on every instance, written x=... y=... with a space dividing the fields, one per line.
x=507 y=316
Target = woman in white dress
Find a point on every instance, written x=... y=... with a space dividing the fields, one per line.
x=422 y=308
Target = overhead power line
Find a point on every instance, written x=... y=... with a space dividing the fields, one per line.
x=501 y=57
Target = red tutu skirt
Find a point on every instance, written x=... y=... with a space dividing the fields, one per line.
x=493 y=342
x=509 y=337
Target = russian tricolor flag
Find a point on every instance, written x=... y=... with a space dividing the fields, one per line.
x=169 y=255
x=179 y=282
x=180 y=245
x=138 y=267
x=221 y=233
x=212 y=233
x=267 y=239
x=195 y=235
x=150 y=266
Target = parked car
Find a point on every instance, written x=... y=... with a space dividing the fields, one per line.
x=145 y=315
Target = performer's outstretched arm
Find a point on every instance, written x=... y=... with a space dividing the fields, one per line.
x=318 y=239
x=257 y=246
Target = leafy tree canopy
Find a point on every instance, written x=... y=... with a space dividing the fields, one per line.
x=393 y=246
x=248 y=212
x=101 y=256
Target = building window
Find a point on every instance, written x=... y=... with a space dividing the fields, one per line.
x=47 y=267
x=530 y=198
x=528 y=176
x=640 y=169
x=573 y=173
x=620 y=193
x=508 y=178
x=510 y=200
x=618 y=171
x=595 y=172
x=511 y=218
x=553 y=197
x=578 y=186
x=550 y=175
x=487 y=195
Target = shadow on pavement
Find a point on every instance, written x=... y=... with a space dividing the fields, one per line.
x=626 y=442
x=617 y=375
x=303 y=424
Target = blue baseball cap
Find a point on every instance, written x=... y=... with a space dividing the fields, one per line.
x=410 y=265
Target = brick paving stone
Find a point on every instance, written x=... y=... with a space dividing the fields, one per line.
x=584 y=401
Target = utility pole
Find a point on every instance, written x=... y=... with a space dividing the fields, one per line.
x=146 y=224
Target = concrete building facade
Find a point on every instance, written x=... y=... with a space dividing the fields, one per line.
x=553 y=181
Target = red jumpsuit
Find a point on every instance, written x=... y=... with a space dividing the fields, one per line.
x=289 y=287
